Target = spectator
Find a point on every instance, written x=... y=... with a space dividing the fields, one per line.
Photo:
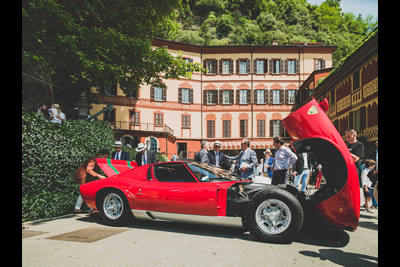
x=301 y=171
x=284 y=158
x=87 y=172
x=118 y=153
x=367 y=183
x=356 y=149
x=62 y=115
x=54 y=112
x=202 y=154
x=174 y=157
x=216 y=157
x=144 y=156
x=267 y=163
x=247 y=160
x=42 y=109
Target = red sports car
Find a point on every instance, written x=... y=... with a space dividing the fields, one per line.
x=198 y=192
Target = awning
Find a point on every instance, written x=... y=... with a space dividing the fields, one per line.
x=236 y=145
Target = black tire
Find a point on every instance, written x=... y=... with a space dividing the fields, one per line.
x=275 y=216
x=114 y=208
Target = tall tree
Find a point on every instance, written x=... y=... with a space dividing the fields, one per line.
x=80 y=44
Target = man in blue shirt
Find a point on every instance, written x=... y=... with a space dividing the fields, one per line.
x=284 y=158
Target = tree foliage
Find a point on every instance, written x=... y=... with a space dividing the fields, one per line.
x=81 y=44
x=260 y=22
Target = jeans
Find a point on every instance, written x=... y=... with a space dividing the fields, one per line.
x=303 y=177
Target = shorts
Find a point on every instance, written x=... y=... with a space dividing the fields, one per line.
x=369 y=193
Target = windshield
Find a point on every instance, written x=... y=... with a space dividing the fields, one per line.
x=206 y=172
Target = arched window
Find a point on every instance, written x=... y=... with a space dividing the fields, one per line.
x=127 y=140
x=152 y=143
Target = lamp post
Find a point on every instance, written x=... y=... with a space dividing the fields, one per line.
x=83 y=107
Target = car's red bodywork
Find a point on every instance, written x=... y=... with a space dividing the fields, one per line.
x=310 y=121
x=144 y=192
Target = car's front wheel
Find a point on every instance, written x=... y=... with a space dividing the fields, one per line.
x=114 y=208
x=275 y=216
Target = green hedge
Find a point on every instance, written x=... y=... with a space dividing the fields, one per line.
x=51 y=154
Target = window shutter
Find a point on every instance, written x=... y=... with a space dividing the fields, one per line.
x=265 y=96
x=271 y=128
x=271 y=96
x=248 y=97
x=231 y=68
x=286 y=96
x=323 y=64
x=248 y=66
x=281 y=66
x=297 y=66
x=255 y=95
x=220 y=67
x=220 y=97
x=215 y=97
x=237 y=96
x=164 y=92
x=215 y=66
x=285 y=62
x=281 y=95
x=237 y=66
x=271 y=70
x=266 y=65
x=205 y=97
x=254 y=66
x=231 y=97
x=204 y=64
x=152 y=93
x=191 y=60
x=180 y=95
x=191 y=96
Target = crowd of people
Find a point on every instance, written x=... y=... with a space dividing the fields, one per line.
x=54 y=114
x=279 y=167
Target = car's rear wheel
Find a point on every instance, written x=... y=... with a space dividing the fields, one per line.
x=114 y=208
x=275 y=216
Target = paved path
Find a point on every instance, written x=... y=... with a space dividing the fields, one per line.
x=83 y=240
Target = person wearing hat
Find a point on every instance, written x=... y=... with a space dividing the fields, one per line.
x=216 y=157
x=144 y=156
x=267 y=163
x=119 y=154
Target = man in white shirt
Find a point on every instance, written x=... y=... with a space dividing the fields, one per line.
x=284 y=158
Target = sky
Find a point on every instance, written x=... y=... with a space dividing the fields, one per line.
x=363 y=7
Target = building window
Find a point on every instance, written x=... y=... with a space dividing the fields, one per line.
x=185 y=95
x=227 y=128
x=276 y=66
x=210 y=129
x=276 y=96
x=243 y=97
x=110 y=88
x=158 y=94
x=243 y=128
x=291 y=66
x=158 y=119
x=152 y=143
x=226 y=67
x=260 y=96
x=211 y=66
x=211 y=96
x=291 y=97
x=135 y=117
x=185 y=121
x=226 y=97
x=260 y=66
x=356 y=81
x=243 y=67
x=319 y=64
x=261 y=128
x=275 y=128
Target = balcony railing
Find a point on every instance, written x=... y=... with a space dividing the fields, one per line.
x=143 y=126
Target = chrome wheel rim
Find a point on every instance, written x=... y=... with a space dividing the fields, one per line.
x=273 y=216
x=113 y=206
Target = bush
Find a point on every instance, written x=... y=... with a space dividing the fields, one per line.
x=50 y=156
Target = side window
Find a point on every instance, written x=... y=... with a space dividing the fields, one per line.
x=172 y=172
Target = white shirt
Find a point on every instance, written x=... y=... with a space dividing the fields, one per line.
x=144 y=158
x=284 y=158
x=365 y=179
